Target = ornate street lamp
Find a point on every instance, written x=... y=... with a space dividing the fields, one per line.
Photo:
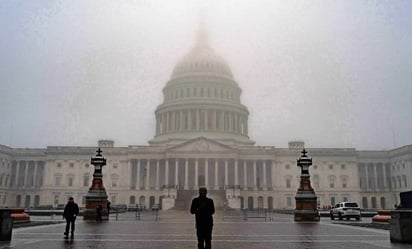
x=97 y=193
x=306 y=200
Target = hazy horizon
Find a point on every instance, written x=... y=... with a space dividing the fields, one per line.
x=329 y=73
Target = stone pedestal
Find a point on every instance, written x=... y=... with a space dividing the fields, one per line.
x=306 y=199
x=6 y=224
x=97 y=193
x=400 y=226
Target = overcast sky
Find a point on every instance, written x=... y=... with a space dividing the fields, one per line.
x=330 y=73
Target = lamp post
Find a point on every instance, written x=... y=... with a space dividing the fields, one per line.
x=306 y=199
x=97 y=193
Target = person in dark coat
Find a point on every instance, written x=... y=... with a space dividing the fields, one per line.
x=203 y=208
x=98 y=213
x=108 y=207
x=71 y=210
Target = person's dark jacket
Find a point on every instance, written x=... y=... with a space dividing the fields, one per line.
x=203 y=208
x=70 y=210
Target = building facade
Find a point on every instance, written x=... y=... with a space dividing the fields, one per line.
x=201 y=139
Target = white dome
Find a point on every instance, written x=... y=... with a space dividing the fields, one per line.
x=202 y=60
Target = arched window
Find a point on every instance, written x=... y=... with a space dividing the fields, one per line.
x=383 y=202
x=364 y=202
x=260 y=202
x=86 y=179
x=288 y=181
x=132 y=200
x=373 y=201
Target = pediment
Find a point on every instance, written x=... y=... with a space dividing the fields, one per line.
x=201 y=145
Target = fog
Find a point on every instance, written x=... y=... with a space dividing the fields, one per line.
x=330 y=73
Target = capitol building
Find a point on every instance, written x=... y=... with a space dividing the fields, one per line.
x=202 y=139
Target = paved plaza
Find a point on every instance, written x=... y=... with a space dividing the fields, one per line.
x=175 y=230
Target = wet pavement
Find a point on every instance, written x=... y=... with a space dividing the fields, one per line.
x=175 y=230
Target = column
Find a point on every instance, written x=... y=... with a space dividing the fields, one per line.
x=189 y=119
x=236 y=173
x=214 y=120
x=147 y=187
x=130 y=172
x=176 y=172
x=245 y=174
x=167 y=172
x=226 y=174
x=186 y=174
x=222 y=121
x=375 y=172
x=157 y=174
x=254 y=175
x=196 y=174
x=273 y=173
x=167 y=122
x=138 y=174
x=385 y=181
x=16 y=183
x=230 y=121
x=265 y=187
x=173 y=119
x=207 y=173
x=216 y=175
x=366 y=176
x=35 y=173
x=26 y=174
x=181 y=121
x=197 y=119
x=206 y=121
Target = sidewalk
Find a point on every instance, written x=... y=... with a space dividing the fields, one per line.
x=175 y=230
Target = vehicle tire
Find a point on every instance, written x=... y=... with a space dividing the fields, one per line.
x=332 y=217
x=347 y=218
x=340 y=216
x=358 y=218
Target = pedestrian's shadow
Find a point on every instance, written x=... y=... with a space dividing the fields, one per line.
x=68 y=243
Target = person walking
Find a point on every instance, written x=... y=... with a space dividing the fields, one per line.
x=98 y=213
x=108 y=207
x=71 y=210
x=203 y=208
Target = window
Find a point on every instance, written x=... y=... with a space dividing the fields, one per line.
x=70 y=180
x=59 y=165
x=343 y=166
x=331 y=181
x=86 y=179
x=345 y=199
x=344 y=180
x=115 y=180
x=71 y=165
x=113 y=199
x=57 y=180
x=288 y=185
x=289 y=201
x=332 y=200
x=316 y=181
x=330 y=166
x=114 y=166
x=287 y=166
x=56 y=199
x=405 y=184
x=364 y=202
x=86 y=165
x=315 y=166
